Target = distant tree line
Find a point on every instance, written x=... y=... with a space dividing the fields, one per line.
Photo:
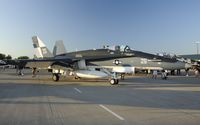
x=23 y=57
x=9 y=57
x=3 y=56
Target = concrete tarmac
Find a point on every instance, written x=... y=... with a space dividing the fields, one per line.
x=135 y=101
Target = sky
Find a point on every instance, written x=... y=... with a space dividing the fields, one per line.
x=152 y=26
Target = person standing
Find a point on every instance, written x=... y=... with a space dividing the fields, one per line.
x=155 y=73
x=196 y=73
x=164 y=75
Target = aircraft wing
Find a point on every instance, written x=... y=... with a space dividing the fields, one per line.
x=44 y=63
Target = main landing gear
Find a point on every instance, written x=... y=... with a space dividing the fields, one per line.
x=114 y=81
x=56 y=77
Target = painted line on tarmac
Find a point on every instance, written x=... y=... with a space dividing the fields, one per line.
x=110 y=111
x=79 y=91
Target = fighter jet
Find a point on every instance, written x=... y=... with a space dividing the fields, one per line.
x=139 y=60
x=106 y=62
x=75 y=63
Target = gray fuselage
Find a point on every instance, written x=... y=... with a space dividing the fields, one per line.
x=137 y=59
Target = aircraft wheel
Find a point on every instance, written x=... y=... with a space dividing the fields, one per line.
x=55 y=77
x=114 y=81
x=76 y=77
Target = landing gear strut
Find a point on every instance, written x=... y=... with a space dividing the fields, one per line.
x=56 y=77
x=114 y=79
x=33 y=72
x=122 y=76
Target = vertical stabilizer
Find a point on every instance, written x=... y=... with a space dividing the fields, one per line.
x=59 y=48
x=41 y=51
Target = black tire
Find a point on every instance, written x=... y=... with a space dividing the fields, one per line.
x=112 y=81
x=76 y=77
x=56 y=77
x=116 y=81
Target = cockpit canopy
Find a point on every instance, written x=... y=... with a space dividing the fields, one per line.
x=122 y=48
x=167 y=55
